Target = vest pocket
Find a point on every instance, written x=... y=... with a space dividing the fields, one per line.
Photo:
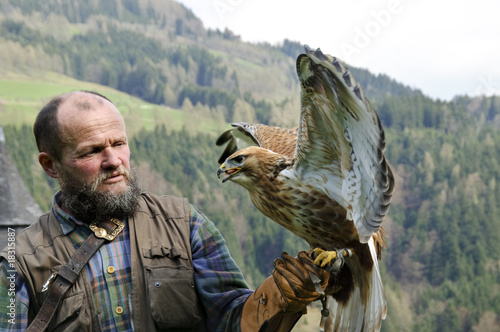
x=72 y=315
x=172 y=298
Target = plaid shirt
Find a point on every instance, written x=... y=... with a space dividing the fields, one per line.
x=221 y=287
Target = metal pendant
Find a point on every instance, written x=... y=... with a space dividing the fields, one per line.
x=103 y=234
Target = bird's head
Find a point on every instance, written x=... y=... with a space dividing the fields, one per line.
x=248 y=165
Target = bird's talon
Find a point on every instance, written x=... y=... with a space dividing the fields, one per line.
x=316 y=252
x=331 y=261
x=324 y=258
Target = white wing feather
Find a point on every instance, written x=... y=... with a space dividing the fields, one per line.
x=340 y=138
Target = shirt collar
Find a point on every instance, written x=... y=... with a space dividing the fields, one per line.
x=68 y=222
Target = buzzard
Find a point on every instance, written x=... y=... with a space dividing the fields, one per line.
x=327 y=181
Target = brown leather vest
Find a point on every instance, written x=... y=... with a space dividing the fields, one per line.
x=163 y=293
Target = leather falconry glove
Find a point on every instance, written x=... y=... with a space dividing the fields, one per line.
x=280 y=301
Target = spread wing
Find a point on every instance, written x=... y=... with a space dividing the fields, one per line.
x=276 y=139
x=341 y=142
x=338 y=172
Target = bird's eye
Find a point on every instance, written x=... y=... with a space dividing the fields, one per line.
x=238 y=159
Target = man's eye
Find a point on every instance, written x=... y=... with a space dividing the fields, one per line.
x=93 y=151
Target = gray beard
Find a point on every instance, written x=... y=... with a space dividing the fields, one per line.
x=88 y=204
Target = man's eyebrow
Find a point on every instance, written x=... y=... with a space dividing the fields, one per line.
x=99 y=143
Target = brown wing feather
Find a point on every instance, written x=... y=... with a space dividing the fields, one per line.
x=276 y=139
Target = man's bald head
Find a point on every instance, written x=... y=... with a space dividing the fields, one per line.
x=47 y=129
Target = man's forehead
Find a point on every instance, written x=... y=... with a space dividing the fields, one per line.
x=74 y=103
x=78 y=108
x=82 y=101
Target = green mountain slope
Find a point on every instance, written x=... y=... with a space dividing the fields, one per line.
x=441 y=268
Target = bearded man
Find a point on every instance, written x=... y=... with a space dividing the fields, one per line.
x=153 y=263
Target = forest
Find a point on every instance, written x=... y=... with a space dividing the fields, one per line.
x=441 y=267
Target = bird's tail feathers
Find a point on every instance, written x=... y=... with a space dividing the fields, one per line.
x=357 y=316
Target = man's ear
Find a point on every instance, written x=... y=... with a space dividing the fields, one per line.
x=48 y=164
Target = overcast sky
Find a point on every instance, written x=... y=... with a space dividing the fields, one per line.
x=441 y=47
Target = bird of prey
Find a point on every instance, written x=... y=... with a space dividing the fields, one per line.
x=327 y=181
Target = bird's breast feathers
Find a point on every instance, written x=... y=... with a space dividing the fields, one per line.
x=306 y=207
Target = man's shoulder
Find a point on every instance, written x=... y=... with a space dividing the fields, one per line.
x=40 y=233
x=168 y=206
x=157 y=197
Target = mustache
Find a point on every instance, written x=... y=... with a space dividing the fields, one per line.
x=106 y=174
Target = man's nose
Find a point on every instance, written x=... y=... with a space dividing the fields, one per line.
x=111 y=158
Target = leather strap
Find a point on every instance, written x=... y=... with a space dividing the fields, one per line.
x=67 y=276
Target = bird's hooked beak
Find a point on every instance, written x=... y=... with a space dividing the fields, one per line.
x=228 y=173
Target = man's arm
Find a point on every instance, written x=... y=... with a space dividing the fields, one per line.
x=14 y=300
x=220 y=285
x=230 y=305
x=282 y=298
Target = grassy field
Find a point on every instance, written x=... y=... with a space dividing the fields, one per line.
x=22 y=96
